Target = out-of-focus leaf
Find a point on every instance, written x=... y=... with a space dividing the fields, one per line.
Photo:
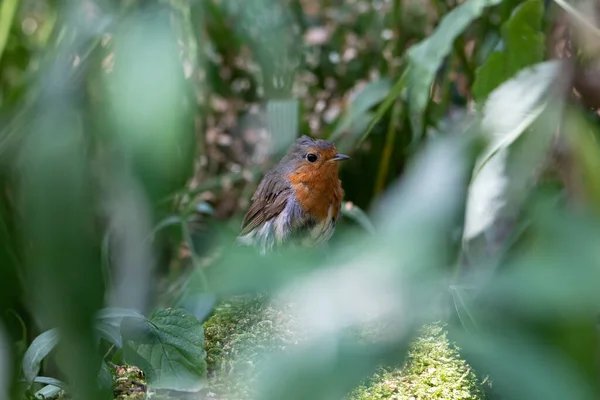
x=356 y=214
x=50 y=381
x=515 y=360
x=462 y=305
x=282 y=122
x=110 y=332
x=37 y=351
x=150 y=110
x=386 y=104
x=581 y=135
x=372 y=94
x=583 y=20
x=6 y=372
x=523 y=46
x=114 y=315
x=508 y=112
x=105 y=379
x=425 y=58
x=8 y=9
x=166 y=222
x=172 y=349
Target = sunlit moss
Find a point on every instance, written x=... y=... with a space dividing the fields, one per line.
x=433 y=370
x=245 y=327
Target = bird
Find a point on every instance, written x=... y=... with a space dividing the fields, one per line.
x=298 y=200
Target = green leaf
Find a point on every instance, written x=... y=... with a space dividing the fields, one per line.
x=371 y=94
x=114 y=315
x=7 y=15
x=387 y=103
x=108 y=323
x=105 y=379
x=110 y=332
x=50 y=381
x=356 y=214
x=47 y=392
x=509 y=111
x=171 y=351
x=425 y=58
x=524 y=46
x=37 y=351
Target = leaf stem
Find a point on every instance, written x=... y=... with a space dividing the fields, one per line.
x=388 y=149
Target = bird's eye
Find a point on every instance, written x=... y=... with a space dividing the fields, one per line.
x=311 y=157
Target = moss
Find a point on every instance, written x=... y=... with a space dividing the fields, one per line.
x=240 y=331
x=245 y=327
x=433 y=370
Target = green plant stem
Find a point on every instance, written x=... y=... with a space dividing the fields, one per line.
x=8 y=9
x=110 y=349
x=388 y=149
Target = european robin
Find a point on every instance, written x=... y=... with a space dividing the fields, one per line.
x=299 y=199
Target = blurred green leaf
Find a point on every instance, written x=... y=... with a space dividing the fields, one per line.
x=521 y=367
x=425 y=58
x=8 y=10
x=37 y=351
x=370 y=95
x=173 y=349
x=105 y=378
x=356 y=214
x=110 y=332
x=582 y=138
x=524 y=45
x=463 y=304
x=508 y=113
x=282 y=122
x=50 y=381
x=114 y=315
x=387 y=103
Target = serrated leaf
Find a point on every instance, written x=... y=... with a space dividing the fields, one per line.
x=509 y=111
x=171 y=351
x=524 y=45
x=425 y=58
x=37 y=351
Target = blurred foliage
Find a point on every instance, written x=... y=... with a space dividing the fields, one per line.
x=133 y=133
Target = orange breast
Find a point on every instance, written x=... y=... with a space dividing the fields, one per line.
x=318 y=189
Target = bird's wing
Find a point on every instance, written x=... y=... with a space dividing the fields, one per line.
x=268 y=201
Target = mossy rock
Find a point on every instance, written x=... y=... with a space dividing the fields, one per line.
x=245 y=327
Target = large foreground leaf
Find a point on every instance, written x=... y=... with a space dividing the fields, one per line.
x=509 y=112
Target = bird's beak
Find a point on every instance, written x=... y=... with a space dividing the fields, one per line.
x=340 y=157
